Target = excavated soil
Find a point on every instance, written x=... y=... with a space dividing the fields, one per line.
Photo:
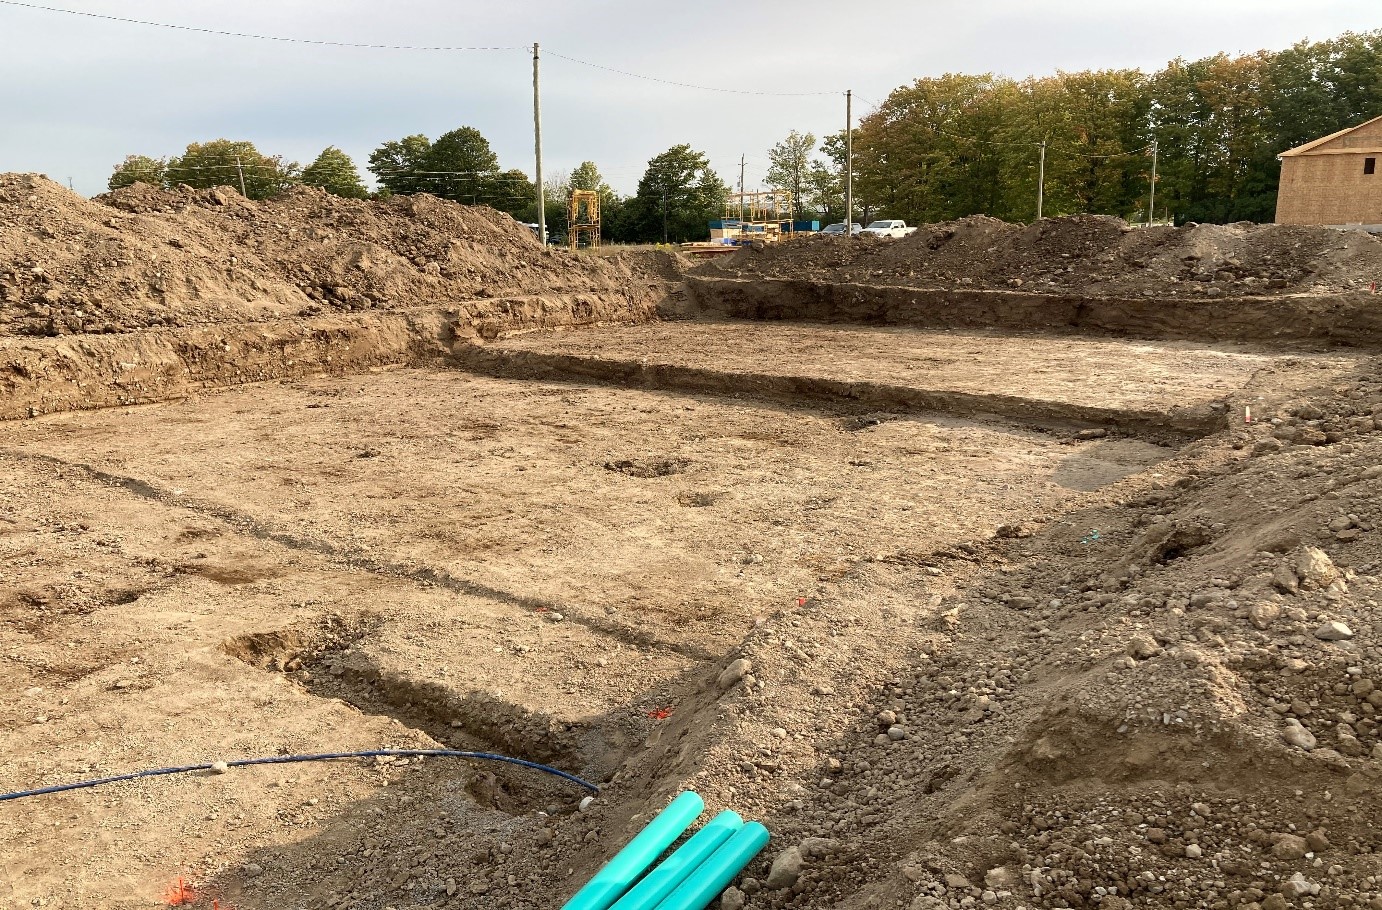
x=1019 y=614
x=1087 y=255
x=143 y=256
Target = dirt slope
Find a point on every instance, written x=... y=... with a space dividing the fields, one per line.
x=1084 y=254
x=142 y=256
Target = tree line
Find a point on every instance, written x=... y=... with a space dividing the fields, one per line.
x=958 y=145
x=676 y=197
x=939 y=148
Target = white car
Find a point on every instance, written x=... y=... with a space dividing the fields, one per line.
x=891 y=227
x=855 y=228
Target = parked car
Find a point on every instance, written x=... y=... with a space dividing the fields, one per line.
x=890 y=227
x=855 y=228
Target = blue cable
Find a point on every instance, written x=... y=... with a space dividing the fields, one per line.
x=324 y=756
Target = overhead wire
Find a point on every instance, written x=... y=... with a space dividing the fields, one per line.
x=398 y=47
x=256 y=37
x=704 y=88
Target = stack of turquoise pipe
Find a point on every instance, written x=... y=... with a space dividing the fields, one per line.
x=689 y=879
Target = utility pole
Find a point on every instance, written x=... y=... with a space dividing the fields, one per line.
x=849 y=163
x=664 y=212
x=239 y=169
x=1041 y=181
x=741 y=193
x=537 y=152
x=1151 y=197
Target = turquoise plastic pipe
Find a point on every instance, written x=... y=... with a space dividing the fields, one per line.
x=715 y=874
x=616 y=876
x=673 y=870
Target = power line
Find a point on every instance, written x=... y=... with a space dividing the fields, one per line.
x=703 y=88
x=229 y=34
x=397 y=47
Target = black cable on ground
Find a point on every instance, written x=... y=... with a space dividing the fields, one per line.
x=288 y=759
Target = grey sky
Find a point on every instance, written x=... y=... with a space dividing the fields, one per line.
x=79 y=94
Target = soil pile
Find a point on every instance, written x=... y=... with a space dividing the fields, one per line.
x=1084 y=254
x=144 y=256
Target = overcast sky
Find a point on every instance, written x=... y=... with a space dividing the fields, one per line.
x=79 y=94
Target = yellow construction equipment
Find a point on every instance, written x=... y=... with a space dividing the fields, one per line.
x=583 y=218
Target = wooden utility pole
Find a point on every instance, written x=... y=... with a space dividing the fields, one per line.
x=1041 y=181
x=741 y=193
x=240 y=169
x=537 y=152
x=849 y=163
x=1151 y=197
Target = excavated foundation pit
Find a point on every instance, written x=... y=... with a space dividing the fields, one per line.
x=540 y=549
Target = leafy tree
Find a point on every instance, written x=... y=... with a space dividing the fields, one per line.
x=956 y=144
x=928 y=152
x=789 y=167
x=679 y=191
x=464 y=167
x=511 y=191
x=397 y=165
x=223 y=161
x=138 y=169
x=1095 y=128
x=825 y=182
x=586 y=176
x=334 y=172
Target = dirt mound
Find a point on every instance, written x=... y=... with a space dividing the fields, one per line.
x=144 y=256
x=1084 y=254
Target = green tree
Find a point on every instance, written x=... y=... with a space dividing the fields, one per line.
x=398 y=165
x=789 y=167
x=334 y=172
x=464 y=167
x=678 y=190
x=223 y=162
x=928 y=153
x=825 y=183
x=138 y=169
x=586 y=176
x=1095 y=128
x=513 y=192
x=960 y=144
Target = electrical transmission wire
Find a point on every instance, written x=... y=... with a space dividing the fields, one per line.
x=1139 y=151
x=230 y=34
x=703 y=88
x=399 y=47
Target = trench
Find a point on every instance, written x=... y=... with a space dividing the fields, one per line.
x=1174 y=427
x=330 y=661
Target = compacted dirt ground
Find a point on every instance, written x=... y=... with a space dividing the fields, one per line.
x=966 y=618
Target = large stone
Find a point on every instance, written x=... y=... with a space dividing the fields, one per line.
x=786 y=869
x=1313 y=566
x=814 y=848
x=1284 y=580
x=1289 y=846
x=732 y=899
x=1298 y=736
x=1263 y=613
x=1142 y=646
x=1000 y=878
x=737 y=670
x=1334 y=631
